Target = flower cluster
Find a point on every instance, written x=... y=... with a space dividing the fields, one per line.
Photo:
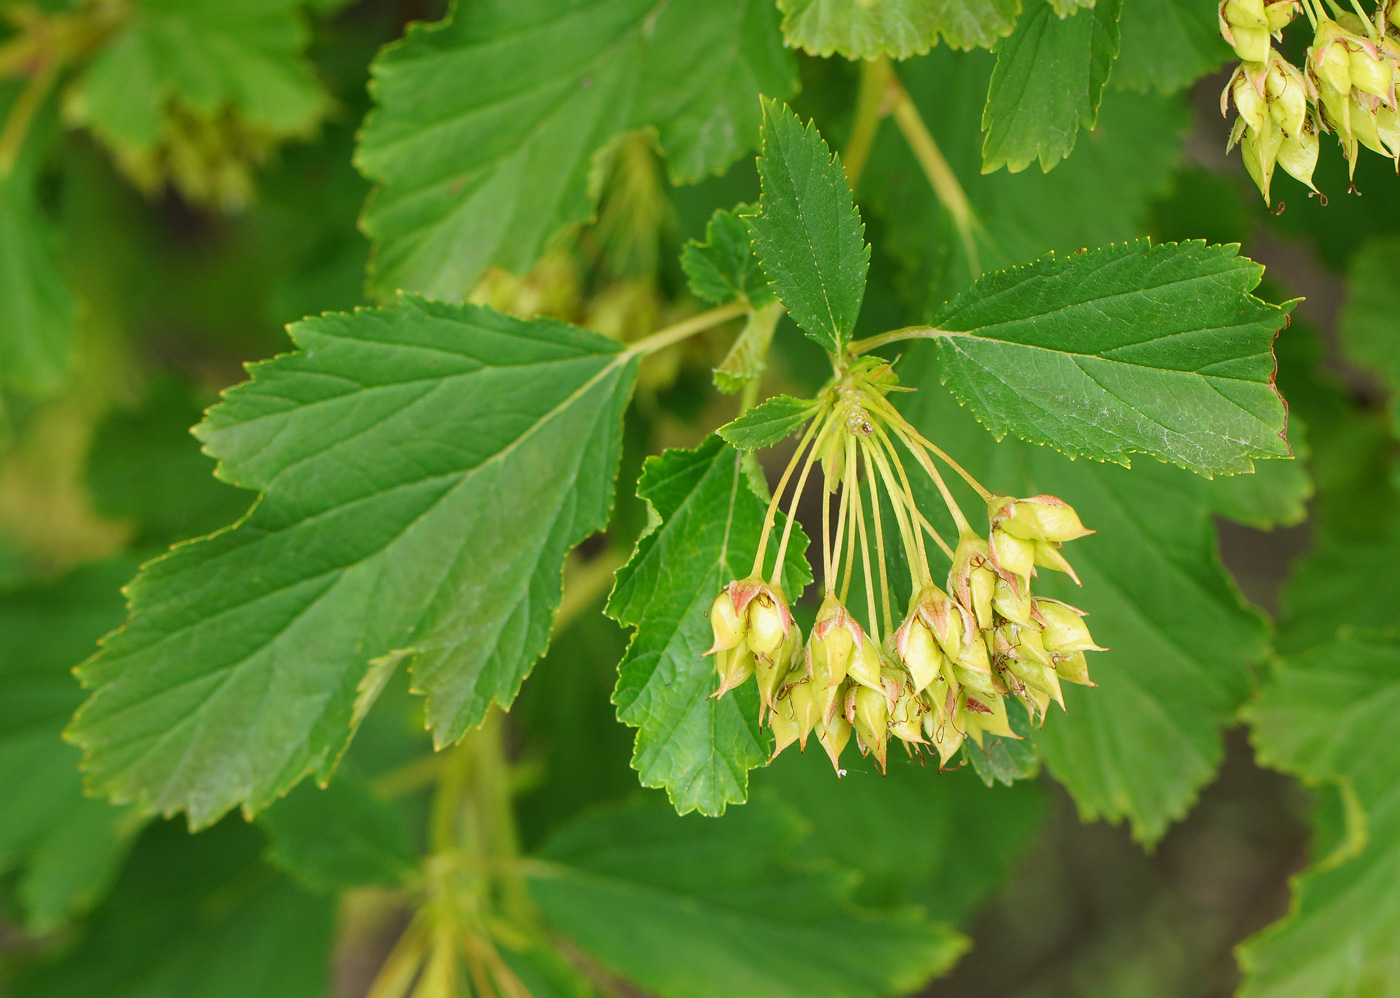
x=1346 y=86
x=948 y=669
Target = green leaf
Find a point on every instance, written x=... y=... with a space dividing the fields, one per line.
x=1134 y=348
x=487 y=125
x=1141 y=744
x=67 y=847
x=858 y=29
x=208 y=56
x=1067 y=8
x=768 y=422
x=723 y=268
x=1168 y=45
x=425 y=468
x=1047 y=84
x=941 y=840
x=690 y=908
x=699 y=749
x=808 y=231
x=196 y=916
x=1332 y=715
x=344 y=835
x=36 y=303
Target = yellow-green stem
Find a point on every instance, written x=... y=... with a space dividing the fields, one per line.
x=901 y=423
x=848 y=487
x=792 y=505
x=768 y=519
x=870 y=479
x=902 y=499
x=671 y=335
x=940 y=175
x=872 y=104
x=22 y=112
x=926 y=462
x=872 y=620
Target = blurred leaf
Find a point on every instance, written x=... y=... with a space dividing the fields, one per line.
x=196 y=917
x=1333 y=715
x=36 y=302
x=251 y=655
x=807 y=230
x=692 y=908
x=483 y=148
x=1047 y=84
x=858 y=29
x=1141 y=744
x=1370 y=321
x=940 y=840
x=343 y=835
x=747 y=358
x=67 y=847
x=699 y=748
x=723 y=268
x=768 y=422
x=146 y=468
x=210 y=57
x=1126 y=349
x=1168 y=45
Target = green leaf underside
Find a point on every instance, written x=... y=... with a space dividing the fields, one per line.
x=699 y=749
x=344 y=835
x=768 y=422
x=425 y=468
x=67 y=846
x=1332 y=715
x=1131 y=348
x=1047 y=84
x=208 y=55
x=807 y=231
x=1141 y=744
x=1168 y=45
x=690 y=908
x=1275 y=494
x=858 y=29
x=483 y=149
x=723 y=268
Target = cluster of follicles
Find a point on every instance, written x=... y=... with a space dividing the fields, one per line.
x=950 y=669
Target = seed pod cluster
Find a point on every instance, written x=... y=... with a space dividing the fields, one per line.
x=1347 y=86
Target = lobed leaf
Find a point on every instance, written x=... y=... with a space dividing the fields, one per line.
x=691 y=909
x=483 y=149
x=768 y=422
x=1332 y=715
x=807 y=231
x=1133 y=348
x=1048 y=82
x=425 y=468
x=723 y=268
x=857 y=29
x=709 y=521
